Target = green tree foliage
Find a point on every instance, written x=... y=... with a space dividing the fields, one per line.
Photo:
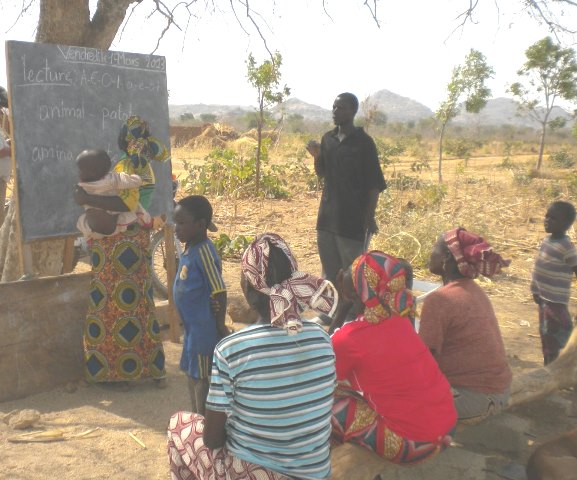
x=468 y=83
x=549 y=74
x=208 y=117
x=186 y=117
x=296 y=123
x=462 y=147
x=265 y=78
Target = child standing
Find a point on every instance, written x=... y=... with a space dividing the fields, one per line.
x=199 y=295
x=97 y=179
x=551 y=283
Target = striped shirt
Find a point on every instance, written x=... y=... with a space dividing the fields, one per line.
x=553 y=270
x=277 y=391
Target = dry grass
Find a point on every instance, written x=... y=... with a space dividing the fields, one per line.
x=505 y=205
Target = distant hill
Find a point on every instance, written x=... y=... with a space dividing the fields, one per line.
x=398 y=108
x=497 y=112
x=175 y=111
x=307 y=110
x=505 y=111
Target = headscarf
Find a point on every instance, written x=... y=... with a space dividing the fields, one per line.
x=380 y=281
x=474 y=256
x=141 y=147
x=288 y=297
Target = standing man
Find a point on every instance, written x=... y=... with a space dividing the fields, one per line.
x=5 y=159
x=347 y=160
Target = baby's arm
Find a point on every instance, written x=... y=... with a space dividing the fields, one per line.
x=124 y=181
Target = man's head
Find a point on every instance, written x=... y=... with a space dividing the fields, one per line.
x=3 y=97
x=559 y=217
x=93 y=165
x=345 y=108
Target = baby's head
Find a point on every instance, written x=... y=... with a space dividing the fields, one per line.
x=93 y=165
x=559 y=217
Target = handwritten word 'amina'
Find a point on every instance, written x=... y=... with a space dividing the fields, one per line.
x=44 y=153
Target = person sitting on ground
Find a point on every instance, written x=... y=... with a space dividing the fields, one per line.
x=268 y=410
x=392 y=399
x=199 y=294
x=459 y=325
x=96 y=178
x=551 y=280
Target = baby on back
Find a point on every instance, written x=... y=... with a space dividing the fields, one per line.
x=96 y=178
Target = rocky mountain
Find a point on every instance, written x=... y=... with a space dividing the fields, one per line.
x=294 y=106
x=505 y=111
x=497 y=112
x=398 y=108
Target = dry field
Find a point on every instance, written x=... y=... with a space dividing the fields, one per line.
x=502 y=204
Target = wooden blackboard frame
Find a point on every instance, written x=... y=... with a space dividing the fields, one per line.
x=64 y=99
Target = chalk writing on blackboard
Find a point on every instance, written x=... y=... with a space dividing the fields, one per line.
x=65 y=99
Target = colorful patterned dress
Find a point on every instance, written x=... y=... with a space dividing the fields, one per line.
x=122 y=338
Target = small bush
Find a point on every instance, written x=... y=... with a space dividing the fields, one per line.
x=562 y=159
x=226 y=172
x=229 y=248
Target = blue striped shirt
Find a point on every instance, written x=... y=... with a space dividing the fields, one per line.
x=277 y=391
x=553 y=270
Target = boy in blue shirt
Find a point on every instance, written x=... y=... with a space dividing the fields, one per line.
x=199 y=295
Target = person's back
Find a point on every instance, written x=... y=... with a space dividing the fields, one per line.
x=397 y=374
x=280 y=416
x=459 y=325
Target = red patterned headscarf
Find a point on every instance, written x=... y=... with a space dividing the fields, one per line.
x=287 y=297
x=474 y=256
x=380 y=281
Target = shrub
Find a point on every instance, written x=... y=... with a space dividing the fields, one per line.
x=226 y=172
x=562 y=159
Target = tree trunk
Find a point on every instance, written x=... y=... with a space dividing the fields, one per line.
x=68 y=23
x=439 y=168
x=259 y=144
x=542 y=146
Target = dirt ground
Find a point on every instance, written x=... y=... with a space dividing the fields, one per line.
x=111 y=452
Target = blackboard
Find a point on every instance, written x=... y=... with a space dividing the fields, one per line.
x=64 y=99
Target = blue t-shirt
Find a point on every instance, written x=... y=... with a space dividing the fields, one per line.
x=277 y=390
x=199 y=276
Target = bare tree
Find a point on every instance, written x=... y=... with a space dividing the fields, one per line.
x=556 y=14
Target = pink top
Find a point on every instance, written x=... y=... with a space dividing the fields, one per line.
x=458 y=323
x=397 y=375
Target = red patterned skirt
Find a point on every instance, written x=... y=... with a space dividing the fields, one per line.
x=122 y=339
x=190 y=459
x=353 y=420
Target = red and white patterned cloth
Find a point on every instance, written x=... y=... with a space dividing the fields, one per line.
x=191 y=459
x=300 y=288
x=474 y=256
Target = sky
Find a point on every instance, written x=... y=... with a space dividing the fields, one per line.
x=324 y=53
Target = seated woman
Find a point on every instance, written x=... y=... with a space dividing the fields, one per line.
x=398 y=404
x=459 y=325
x=268 y=410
